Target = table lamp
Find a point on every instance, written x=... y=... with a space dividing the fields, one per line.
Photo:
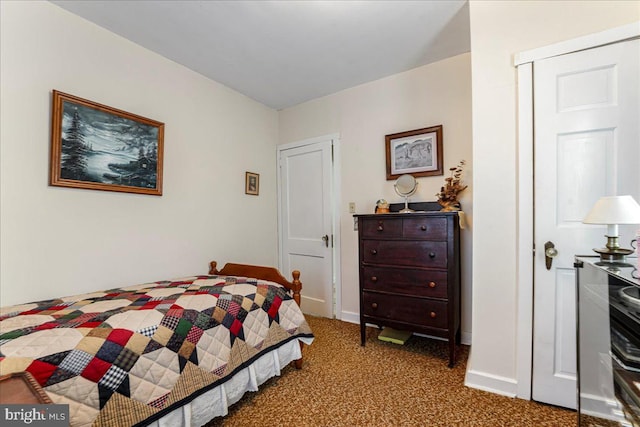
x=612 y=211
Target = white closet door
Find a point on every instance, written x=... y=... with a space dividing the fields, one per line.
x=587 y=131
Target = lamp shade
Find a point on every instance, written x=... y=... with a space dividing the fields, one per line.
x=614 y=210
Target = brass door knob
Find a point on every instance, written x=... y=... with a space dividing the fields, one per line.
x=550 y=252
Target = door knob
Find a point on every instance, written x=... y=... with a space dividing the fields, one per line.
x=550 y=252
x=325 y=238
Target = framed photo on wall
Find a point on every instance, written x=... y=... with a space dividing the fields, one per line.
x=101 y=148
x=252 y=183
x=415 y=152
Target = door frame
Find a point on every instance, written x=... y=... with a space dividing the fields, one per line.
x=524 y=62
x=335 y=213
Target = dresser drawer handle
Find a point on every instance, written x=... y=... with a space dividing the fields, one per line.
x=432 y=284
x=432 y=254
x=374 y=252
x=423 y=228
x=380 y=228
x=432 y=314
x=374 y=279
x=374 y=305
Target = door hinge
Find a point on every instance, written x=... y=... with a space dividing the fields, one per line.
x=332 y=152
x=332 y=240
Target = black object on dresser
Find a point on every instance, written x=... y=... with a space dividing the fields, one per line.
x=410 y=274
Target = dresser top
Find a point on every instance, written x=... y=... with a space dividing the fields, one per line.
x=407 y=215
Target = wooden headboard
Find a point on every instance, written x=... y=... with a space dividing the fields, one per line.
x=259 y=272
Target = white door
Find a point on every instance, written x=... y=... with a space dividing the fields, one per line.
x=306 y=234
x=587 y=138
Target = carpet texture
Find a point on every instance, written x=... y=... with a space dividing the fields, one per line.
x=381 y=384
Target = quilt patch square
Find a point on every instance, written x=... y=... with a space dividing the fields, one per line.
x=109 y=351
x=120 y=336
x=202 y=320
x=126 y=359
x=90 y=344
x=175 y=342
x=170 y=322
x=100 y=332
x=148 y=331
x=113 y=378
x=76 y=361
x=183 y=327
x=163 y=335
x=194 y=334
x=41 y=371
x=218 y=314
x=186 y=349
x=96 y=369
x=138 y=342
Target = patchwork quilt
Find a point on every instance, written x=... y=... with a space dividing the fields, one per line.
x=130 y=355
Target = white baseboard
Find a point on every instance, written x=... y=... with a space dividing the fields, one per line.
x=465 y=338
x=349 y=316
x=601 y=407
x=491 y=383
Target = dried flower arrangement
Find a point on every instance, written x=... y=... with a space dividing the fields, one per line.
x=448 y=195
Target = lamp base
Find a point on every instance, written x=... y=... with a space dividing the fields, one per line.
x=613 y=254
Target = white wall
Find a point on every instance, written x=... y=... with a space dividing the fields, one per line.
x=499 y=30
x=434 y=94
x=58 y=241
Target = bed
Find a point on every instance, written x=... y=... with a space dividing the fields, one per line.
x=169 y=353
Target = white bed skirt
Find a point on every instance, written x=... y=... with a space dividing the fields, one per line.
x=215 y=402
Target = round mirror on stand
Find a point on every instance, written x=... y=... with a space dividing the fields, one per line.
x=405 y=186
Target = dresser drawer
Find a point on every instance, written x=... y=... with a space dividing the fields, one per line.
x=425 y=228
x=418 y=311
x=406 y=253
x=424 y=283
x=382 y=227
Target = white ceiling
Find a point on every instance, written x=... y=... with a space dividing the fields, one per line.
x=282 y=53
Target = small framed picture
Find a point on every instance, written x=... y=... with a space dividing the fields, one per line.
x=252 y=183
x=415 y=152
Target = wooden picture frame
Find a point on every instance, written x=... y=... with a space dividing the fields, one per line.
x=252 y=183
x=416 y=152
x=97 y=147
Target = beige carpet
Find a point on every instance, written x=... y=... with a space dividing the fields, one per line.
x=381 y=384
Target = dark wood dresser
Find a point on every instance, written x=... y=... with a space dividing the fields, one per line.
x=410 y=274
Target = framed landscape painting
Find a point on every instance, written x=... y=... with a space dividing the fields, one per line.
x=101 y=148
x=415 y=152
